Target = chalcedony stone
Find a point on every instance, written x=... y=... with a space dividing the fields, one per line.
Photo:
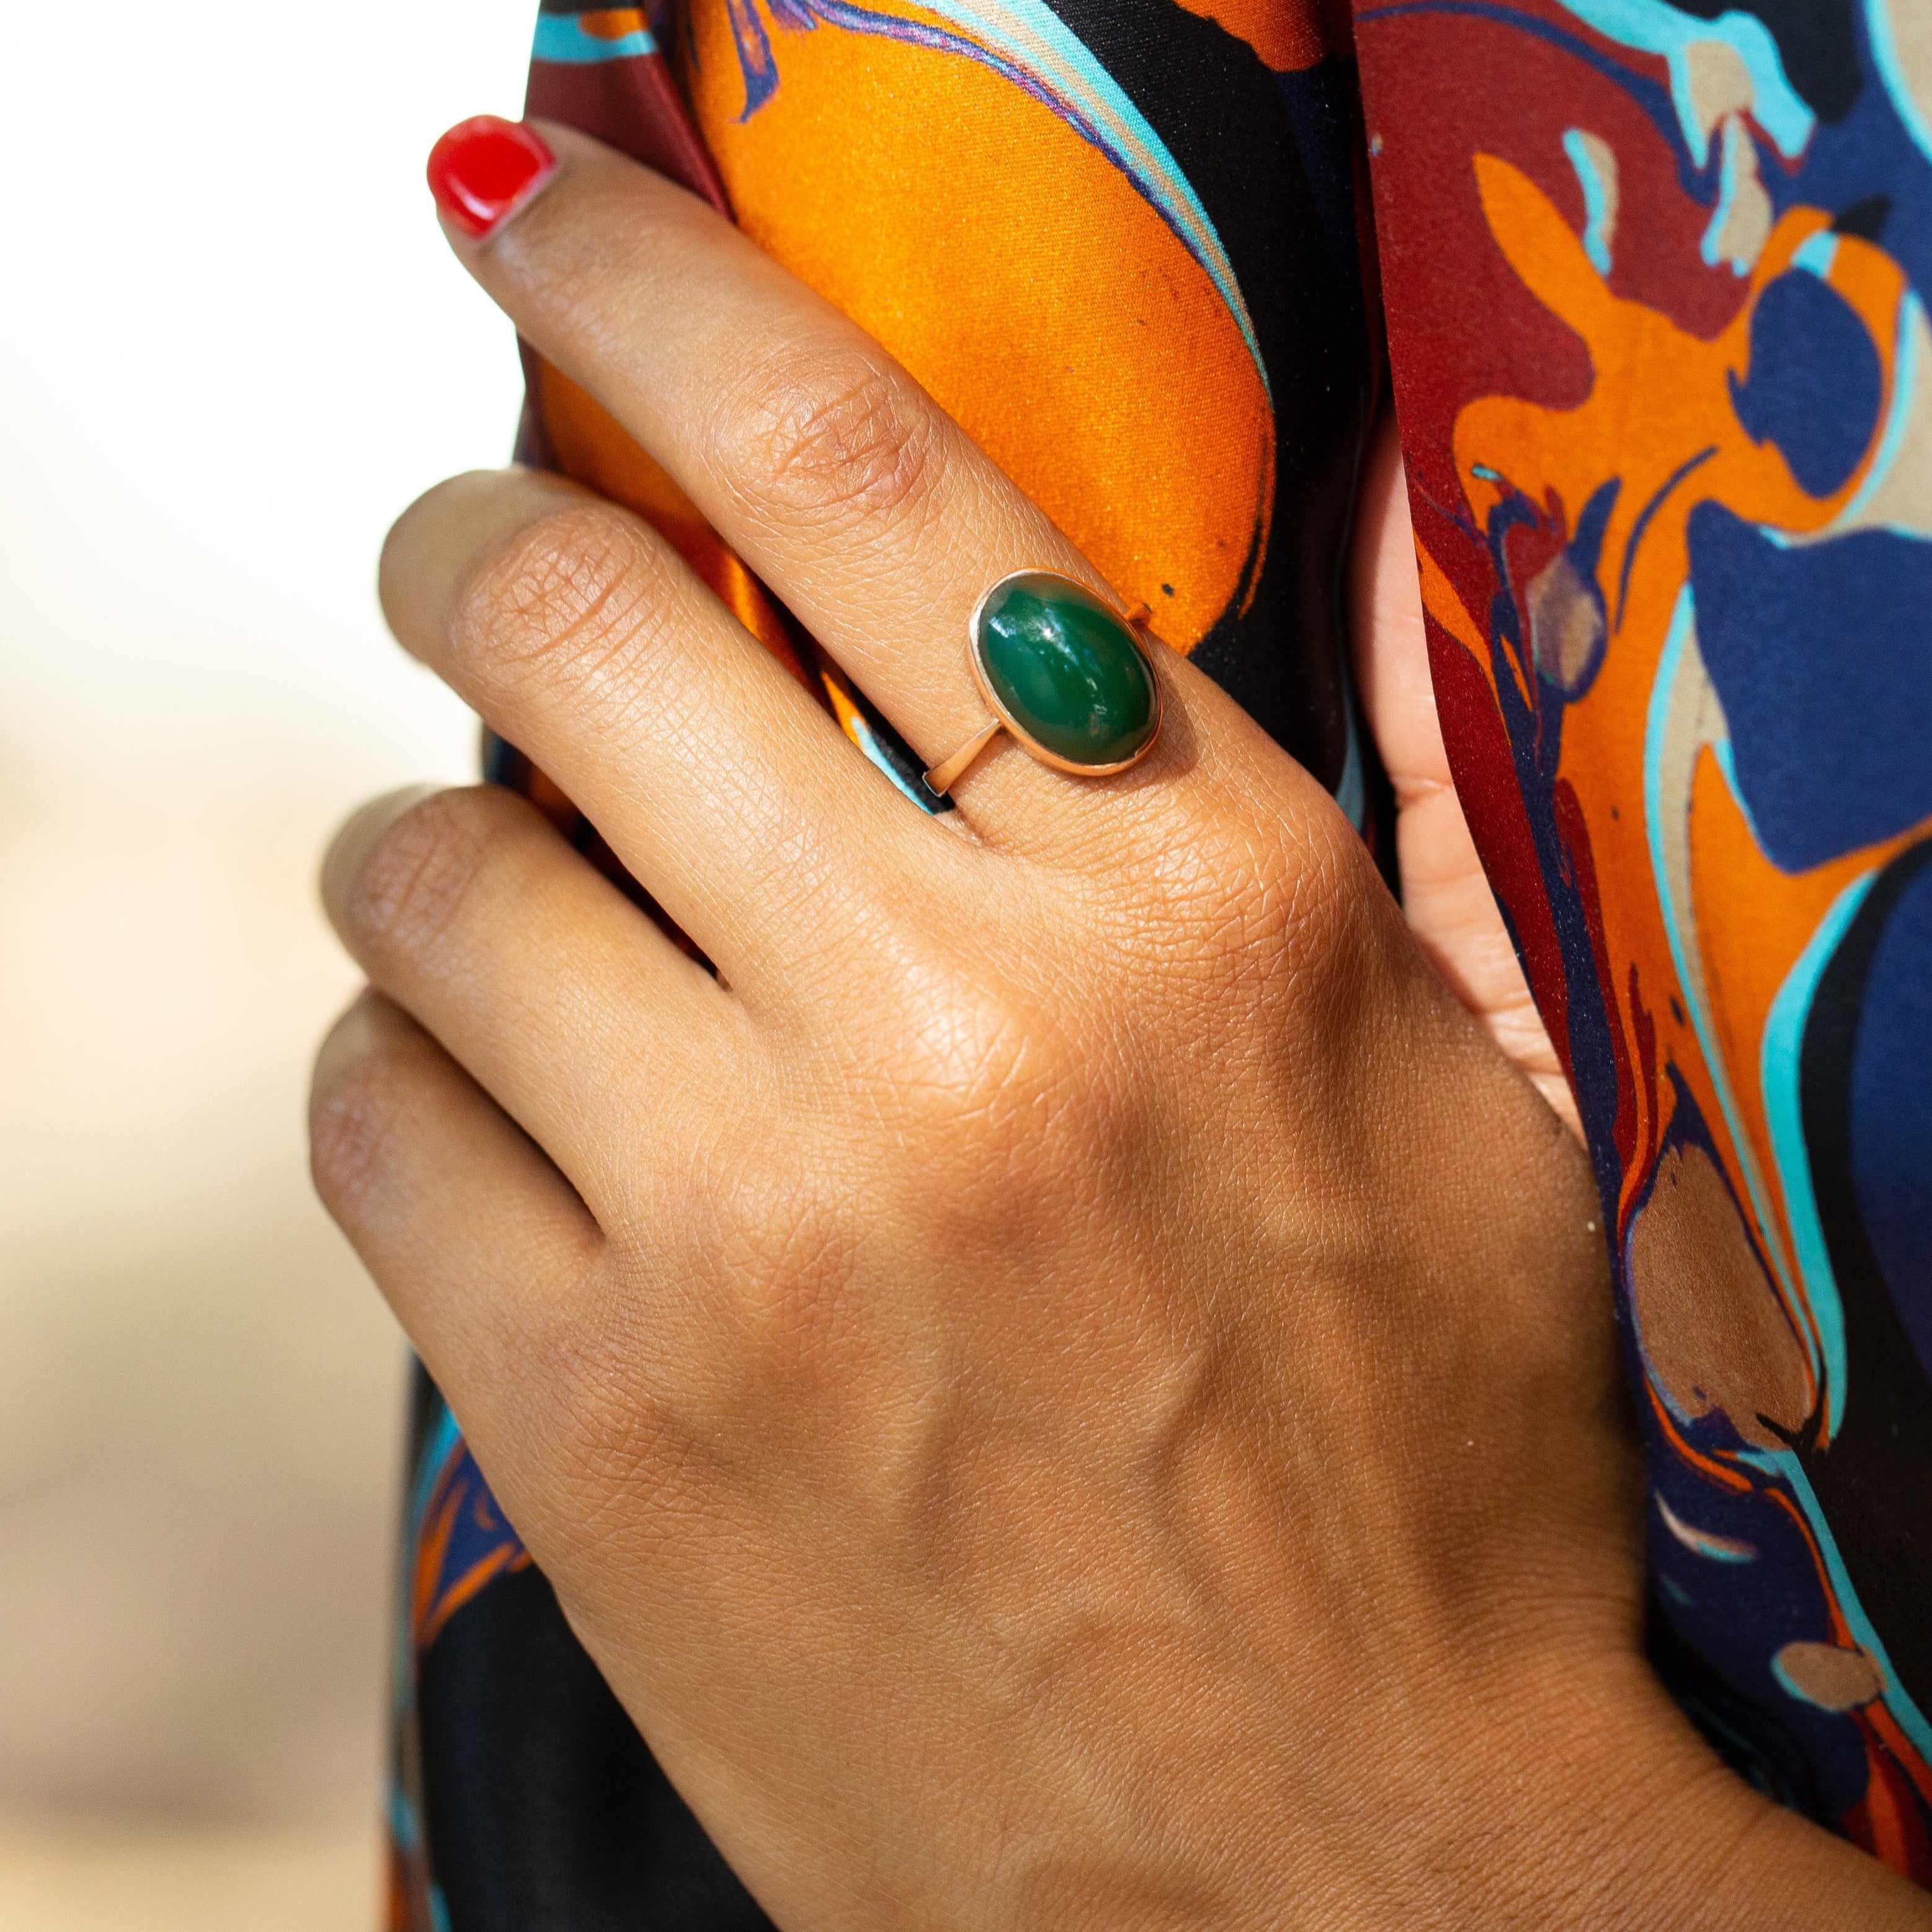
x=1065 y=669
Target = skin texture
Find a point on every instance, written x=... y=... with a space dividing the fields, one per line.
x=1073 y=1385
x=1444 y=894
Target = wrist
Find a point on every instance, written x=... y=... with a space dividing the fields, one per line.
x=1615 y=1816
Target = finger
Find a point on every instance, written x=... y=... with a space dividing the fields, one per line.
x=872 y=515
x=474 y=1237
x=579 y=1017
x=1445 y=892
x=722 y=784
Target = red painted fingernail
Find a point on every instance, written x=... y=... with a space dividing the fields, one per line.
x=485 y=169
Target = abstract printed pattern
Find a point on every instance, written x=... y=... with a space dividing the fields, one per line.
x=457 y=1541
x=1159 y=329
x=1656 y=279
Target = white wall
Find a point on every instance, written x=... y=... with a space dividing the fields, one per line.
x=231 y=346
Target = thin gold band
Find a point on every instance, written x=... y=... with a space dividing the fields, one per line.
x=942 y=777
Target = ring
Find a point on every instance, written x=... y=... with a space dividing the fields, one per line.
x=1067 y=678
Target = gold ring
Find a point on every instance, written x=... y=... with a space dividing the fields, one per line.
x=1067 y=677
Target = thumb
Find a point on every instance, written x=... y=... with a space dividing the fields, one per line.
x=1444 y=894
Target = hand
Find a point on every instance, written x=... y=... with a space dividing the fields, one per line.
x=1444 y=894
x=1072 y=1385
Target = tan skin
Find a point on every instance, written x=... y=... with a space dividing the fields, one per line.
x=1073 y=1386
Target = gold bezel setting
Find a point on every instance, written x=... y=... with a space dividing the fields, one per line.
x=942 y=776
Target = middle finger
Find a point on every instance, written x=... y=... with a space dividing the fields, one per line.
x=875 y=518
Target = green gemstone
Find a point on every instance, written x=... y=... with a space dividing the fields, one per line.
x=1065 y=669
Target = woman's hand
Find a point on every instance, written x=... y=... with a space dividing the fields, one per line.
x=1445 y=895
x=1073 y=1385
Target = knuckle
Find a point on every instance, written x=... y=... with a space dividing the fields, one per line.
x=826 y=436
x=1248 y=901
x=993 y=1081
x=1016 y=1109
x=1326 y=897
x=411 y=885
x=569 y=594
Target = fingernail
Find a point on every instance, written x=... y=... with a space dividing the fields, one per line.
x=485 y=169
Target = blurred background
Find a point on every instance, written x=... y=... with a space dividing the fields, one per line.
x=232 y=346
